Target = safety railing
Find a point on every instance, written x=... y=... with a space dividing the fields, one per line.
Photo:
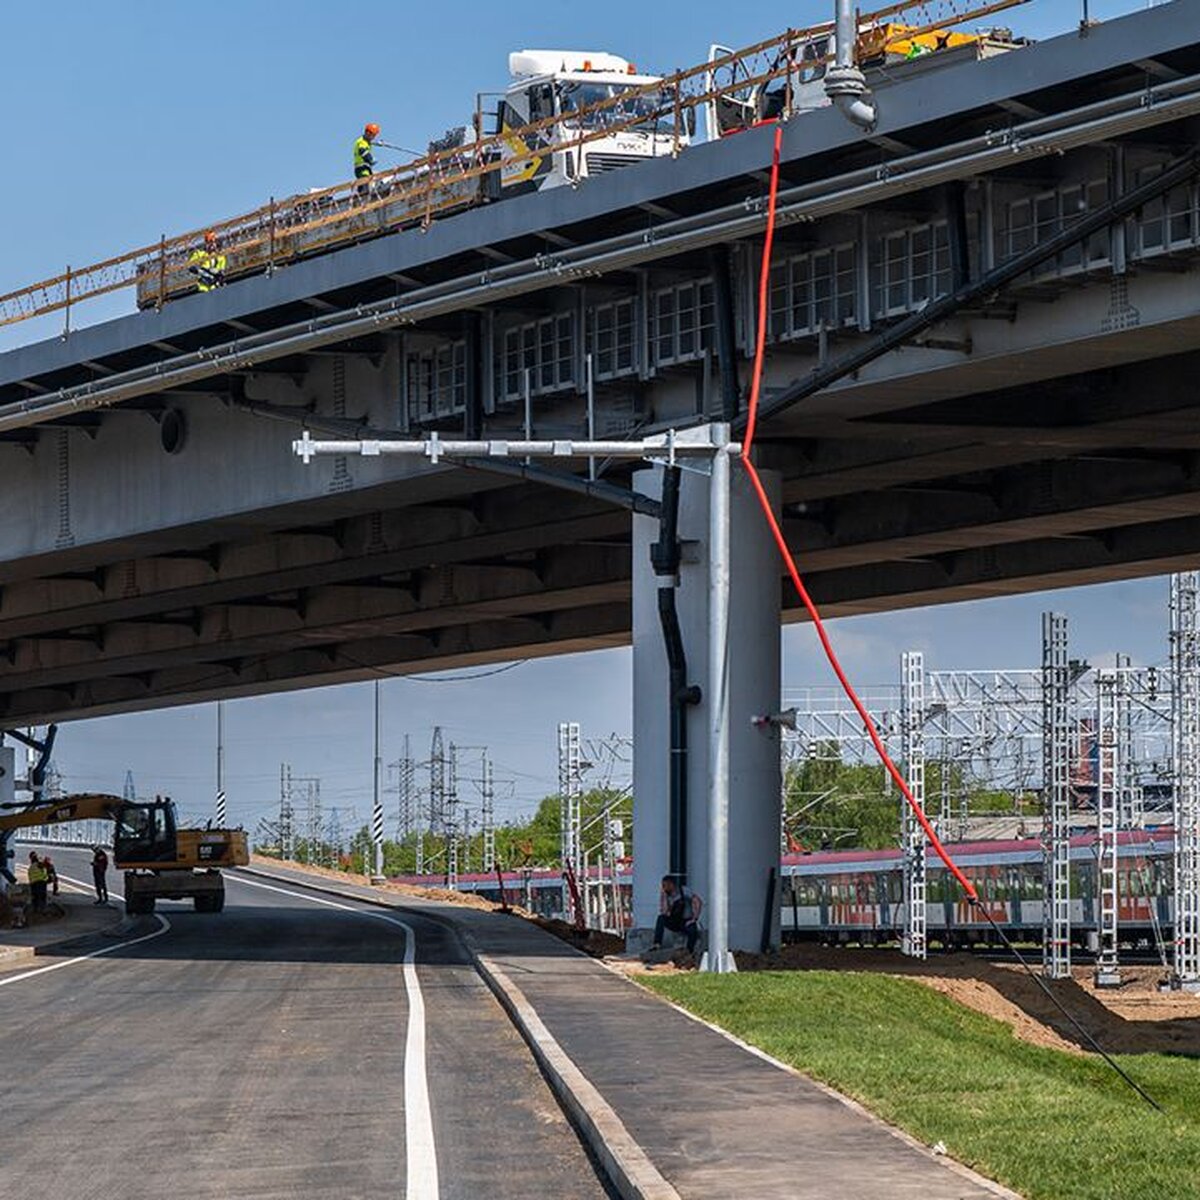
x=457 y=177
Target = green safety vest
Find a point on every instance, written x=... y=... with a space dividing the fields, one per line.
x=208 y=268
x=364 y=160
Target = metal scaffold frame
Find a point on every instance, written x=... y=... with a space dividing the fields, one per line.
x=487 y=790
x=912 y=731
x=570 y=791
x=1185 y=661
x=1056 y=800
x=287 y=826
x=1108 y=796
x=447 y=180
x=451 y=818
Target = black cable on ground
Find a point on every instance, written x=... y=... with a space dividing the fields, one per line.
x=1062 y=1008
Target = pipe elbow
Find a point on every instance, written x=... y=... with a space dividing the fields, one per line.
x=859 y=110
x=847 y=88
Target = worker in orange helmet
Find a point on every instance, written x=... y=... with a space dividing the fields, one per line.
x=364 y=159
x=208 y=264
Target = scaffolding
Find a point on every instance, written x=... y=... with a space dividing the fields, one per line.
x=570 y=792
x=912 y=836
x=1185 y=662
x=1056 y=798
x=405 y=793
x=488 y=815
x=287 y=814
x=1108 y=795
x=450 y=817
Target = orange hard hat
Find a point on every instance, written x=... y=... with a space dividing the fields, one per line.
x=371 y=130
x=210 y=238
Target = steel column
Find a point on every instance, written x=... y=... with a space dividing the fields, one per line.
x=912 y=836
x=1185 y=713
x=1056 y=799
x=718 y=957
x=1108 y=791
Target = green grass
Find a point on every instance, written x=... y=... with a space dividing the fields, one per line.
x=1050 y=1125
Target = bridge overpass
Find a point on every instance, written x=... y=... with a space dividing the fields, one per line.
x=162 y=545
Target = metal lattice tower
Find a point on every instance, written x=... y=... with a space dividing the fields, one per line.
x=314 y=821
x=1185 y=661
x=450 y=819
x=570 y=791
x=287 y=827
x=128 y=792
x=1130 y=814
x=1108 y=797
x=488 y=795
x=1056 y=789
x=912 y=729
x=405 y=776
x=437 y=782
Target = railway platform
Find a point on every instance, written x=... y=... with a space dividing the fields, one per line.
x=714 y=1118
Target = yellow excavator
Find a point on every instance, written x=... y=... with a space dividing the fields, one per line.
x=160 y=860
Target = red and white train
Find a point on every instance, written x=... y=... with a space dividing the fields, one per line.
x=856 y=896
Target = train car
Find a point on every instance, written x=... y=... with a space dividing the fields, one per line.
x=857 y=896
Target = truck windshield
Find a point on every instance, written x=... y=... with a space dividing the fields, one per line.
x=652 y=110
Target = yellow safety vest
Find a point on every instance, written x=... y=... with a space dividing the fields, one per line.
x=208 y=268
x=364 y=160
x=38 y=873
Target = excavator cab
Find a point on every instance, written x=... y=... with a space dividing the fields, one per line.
x=145 y=834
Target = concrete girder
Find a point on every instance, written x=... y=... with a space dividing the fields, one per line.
x=599 y=627
x=271 y=571
x=450 y=596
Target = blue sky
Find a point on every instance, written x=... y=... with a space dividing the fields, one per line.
x=125 y=120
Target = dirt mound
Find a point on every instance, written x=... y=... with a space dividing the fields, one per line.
x=1135 y=1018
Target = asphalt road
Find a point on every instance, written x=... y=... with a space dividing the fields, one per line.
x=279 y=1049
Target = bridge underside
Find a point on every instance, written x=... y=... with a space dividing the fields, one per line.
x=169 y=549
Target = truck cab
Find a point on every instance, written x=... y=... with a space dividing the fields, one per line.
x=601 y=114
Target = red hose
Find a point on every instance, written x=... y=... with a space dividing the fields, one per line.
x=789 y=559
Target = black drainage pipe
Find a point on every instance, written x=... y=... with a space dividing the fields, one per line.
x=665 y=557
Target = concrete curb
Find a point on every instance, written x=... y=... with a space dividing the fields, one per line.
x=15 y=955
x=622 y=1159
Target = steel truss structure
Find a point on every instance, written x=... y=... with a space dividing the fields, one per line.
x=1185 y=661
x=912 y=729
x=1108 y=795
x=1056 y=798
x=570 y=791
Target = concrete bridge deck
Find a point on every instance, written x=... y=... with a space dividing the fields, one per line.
x=159 y=544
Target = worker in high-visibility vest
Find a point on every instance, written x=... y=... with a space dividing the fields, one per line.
x=39 y=879
x=208 y=264
x=364 y=158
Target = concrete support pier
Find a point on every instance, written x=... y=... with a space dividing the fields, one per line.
x=753 y=683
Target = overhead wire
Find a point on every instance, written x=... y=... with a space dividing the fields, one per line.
x=831 y=656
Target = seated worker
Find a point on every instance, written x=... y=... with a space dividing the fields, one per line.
x=679 y=911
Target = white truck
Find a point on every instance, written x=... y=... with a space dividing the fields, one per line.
x=563 y=88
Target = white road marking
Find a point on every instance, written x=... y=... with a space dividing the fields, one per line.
x=164 y=925
x=420 y=1150
x=87 y=887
